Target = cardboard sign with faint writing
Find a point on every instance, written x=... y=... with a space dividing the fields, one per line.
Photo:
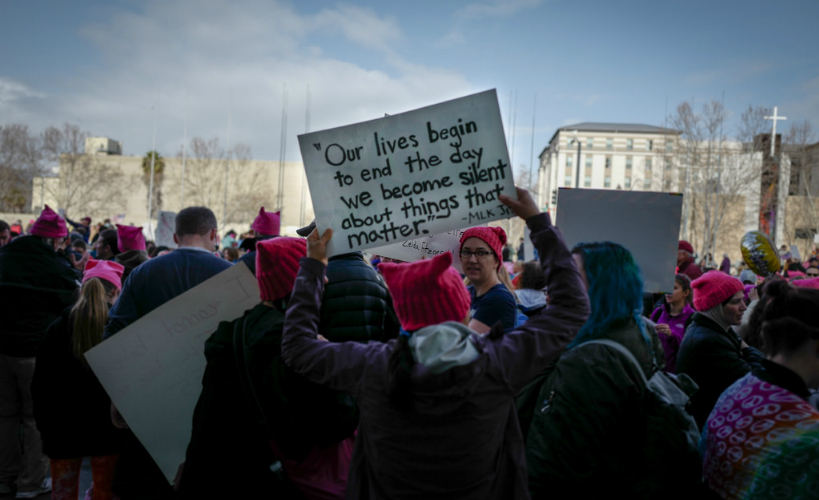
x=409 y=175
x=153 y=369
x=646 y=223
x=425 y=248
x=165 y=228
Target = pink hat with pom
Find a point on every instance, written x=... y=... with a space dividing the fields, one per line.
x=267 y=223
x=130 y=238
x=495 y=237
x=714 y=288
x=426 y=292
x=277 y=264
x=49 y=225
x=108 y=270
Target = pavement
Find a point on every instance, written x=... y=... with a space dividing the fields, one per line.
x=85 y=483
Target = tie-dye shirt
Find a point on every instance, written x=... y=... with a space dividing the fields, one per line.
x=762 y=440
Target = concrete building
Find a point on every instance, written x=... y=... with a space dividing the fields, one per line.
x=103 y=184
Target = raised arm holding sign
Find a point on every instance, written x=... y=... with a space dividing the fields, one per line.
x=409 y=175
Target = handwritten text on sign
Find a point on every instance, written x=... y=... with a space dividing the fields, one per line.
x=153 y=369
x=405 y=176
x=425 y=248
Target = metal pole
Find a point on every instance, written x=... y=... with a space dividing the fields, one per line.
x=227 y=161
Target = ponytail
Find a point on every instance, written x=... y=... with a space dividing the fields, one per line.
x=400 y=364
x=90 y=314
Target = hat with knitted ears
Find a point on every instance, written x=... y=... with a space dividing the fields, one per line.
x=277 y=264
x=495 y=237
x=267 y=223
x=108 y=270
x=426 y=292
x=130 y=238
x=714 y=288
x=49 y=225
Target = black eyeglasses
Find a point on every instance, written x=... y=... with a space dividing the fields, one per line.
x=480 y=254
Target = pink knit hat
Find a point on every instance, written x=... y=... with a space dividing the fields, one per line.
x=49 y=225
x=495 y=237
x=108 y=270
x=277 y=263
x=267 y=223
x=130 y=238
x=714 y=288
x=808 y=283
x=426 y=292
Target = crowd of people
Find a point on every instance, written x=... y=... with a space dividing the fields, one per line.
x=556 y=377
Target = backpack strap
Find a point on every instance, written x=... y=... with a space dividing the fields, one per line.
x=617 y=346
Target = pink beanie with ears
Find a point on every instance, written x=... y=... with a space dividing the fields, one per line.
x=267 y=223
x=495 y=237
x=49 y=225
x=277 y=264
x=108 y=270
x=130 y=238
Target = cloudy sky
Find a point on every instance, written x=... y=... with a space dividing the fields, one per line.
x=106 y=65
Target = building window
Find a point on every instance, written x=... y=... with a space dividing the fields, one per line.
x=569 y=160
x=669 y=146
x=649 y=145
x=628 y=182
x=568 y=181
x=607 y=182
x=587 y=181
x=608 y=162
x=629 y=144
x=590 y=142
x=648 y=164
x=588 y=161
x=628 y=162
x=667 y=162
x=609 y=143
x=647 y=183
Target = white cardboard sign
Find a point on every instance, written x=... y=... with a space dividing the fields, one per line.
x=646 y=223
x=406 y=176
x=165 y=228
x=153 y=369
x=425 y=248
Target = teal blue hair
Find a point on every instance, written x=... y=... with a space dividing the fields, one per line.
x=615 y=289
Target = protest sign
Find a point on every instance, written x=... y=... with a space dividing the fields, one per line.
x=423 y=172
x=646 y=223
x=426 y=247
x=795 y=253
x=528 y=246
x=153 y=369
x=165 y=227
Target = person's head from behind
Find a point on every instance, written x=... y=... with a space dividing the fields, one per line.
x=79 y=246
x=106 y=245
x=682 y=293
x=614 y=285
x=532 y=277
x=230 y=254
x=196 y=227
x=51 y=228
x=685 y=251
x=720 y=297
x=790 y=328
x=101 y=284
x=5 y=233
x=481 y=254
x=277 y=264
x=425 y=293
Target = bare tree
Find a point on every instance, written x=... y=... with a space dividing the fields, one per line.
x=87 y=184
x=21 y=160
x=248 y=186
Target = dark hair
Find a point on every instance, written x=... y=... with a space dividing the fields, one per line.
x=156 y=250
x=232 y=254
x=248 y=244
x=532 y=277
x=4 y=226
x=685 y=283
x=399 y=366
x=79 y=244
x=194 y=221
x=789 y=318
x=109 y=238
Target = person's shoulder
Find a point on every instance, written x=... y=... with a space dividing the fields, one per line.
x=499 y=292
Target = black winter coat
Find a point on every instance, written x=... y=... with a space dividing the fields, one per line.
x=714 y=358
x=356 y=304
x=71 y=408
x=36 y=284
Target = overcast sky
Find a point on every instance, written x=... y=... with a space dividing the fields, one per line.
x=105 y=64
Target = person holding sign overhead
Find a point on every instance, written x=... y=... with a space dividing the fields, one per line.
x=492 y=302
x=438 y=416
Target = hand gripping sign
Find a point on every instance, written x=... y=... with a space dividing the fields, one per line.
x=410 y=175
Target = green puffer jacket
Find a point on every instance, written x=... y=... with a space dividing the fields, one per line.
x=585 y=438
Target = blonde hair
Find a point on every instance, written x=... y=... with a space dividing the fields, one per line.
x=90 y=314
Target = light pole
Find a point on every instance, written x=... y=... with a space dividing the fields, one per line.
x=577 y=177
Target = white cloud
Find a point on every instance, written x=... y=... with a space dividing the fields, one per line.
x=250 y=48
x=494 y=8
x=11 y=91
